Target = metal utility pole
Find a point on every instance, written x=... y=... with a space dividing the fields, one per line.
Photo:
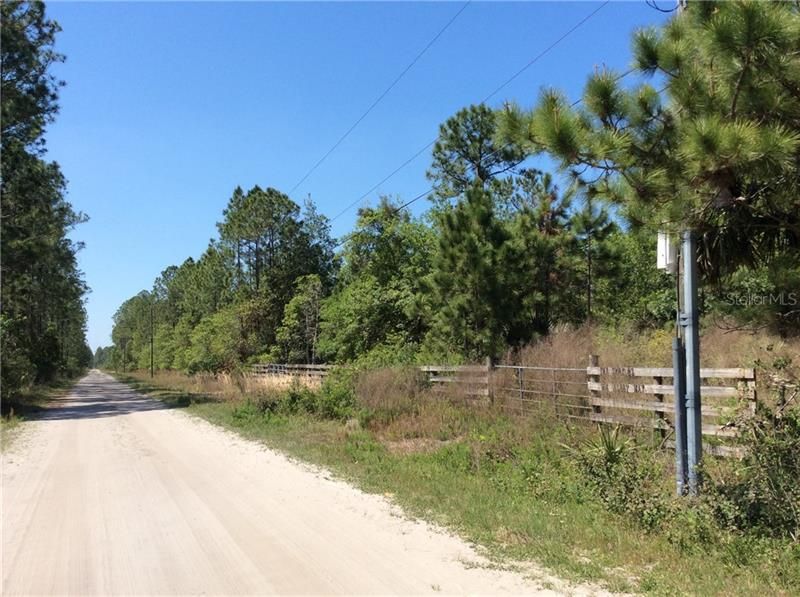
x=669 y=259
x=679 y=384
x=679 y=388
x=152 y=369
x=689 y=322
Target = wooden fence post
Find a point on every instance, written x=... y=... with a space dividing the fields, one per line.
x=751 y=393
x=662 y=429
x=555 y=394
x=489 y=388
x=594 y=361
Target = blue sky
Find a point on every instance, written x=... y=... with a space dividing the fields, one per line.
x=169 y=106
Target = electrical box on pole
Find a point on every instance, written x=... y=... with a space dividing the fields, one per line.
x=666 y=253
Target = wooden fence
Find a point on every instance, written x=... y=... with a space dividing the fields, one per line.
x=315 y=372
x=631 y=396
x=613 y=400
x=471 y=381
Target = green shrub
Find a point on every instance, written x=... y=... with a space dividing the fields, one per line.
x=455 y=457
x=493 y=446
x=626 y=479
x=361 y=446
x=692 y=526
x=215 y=342
x=299 y=398
x=762 y=492
x=551 y=480
x=336 y=398
x=246 y=412
x=258 y=406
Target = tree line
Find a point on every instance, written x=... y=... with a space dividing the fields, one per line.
x=710 y=141
x=43 y=319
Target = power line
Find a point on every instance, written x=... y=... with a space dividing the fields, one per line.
x=387 y=177
x=473 y=167
x=652 y=4
x=380 y=97
x=572 y=105
x=397 y=210
x=533 y=61
x=544 y=52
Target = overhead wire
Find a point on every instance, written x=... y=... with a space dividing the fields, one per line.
x=508 y=81
x=544 y=52
x=473 y=167
x=380 y=97
x=652 y=4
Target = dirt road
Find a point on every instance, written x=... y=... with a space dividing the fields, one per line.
x=112 y=493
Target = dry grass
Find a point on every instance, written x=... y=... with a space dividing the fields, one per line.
x=393 y=392
x=222 y=387
x=774 y=358
x=255 y=384
x=406 y=413
x=571 y=347
x=226 y=386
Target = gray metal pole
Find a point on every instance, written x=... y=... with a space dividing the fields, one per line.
x=694 y=424
x=679 y=383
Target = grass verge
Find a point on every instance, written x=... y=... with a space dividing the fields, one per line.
x=509 y=485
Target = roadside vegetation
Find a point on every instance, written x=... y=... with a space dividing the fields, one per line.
x=43 y=319
x=589 y=505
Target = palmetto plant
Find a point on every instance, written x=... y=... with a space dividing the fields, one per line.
x=604 y=452
x=610 y=446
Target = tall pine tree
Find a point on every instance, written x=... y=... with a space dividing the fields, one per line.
x=716 y=149
x=43 y=318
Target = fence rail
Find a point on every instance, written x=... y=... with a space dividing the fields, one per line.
x=621 y=395
x=472 y=381
x=631 y=396
x=279 y=369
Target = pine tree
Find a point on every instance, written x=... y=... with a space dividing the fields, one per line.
x=717 y=150
x=43 y=319
x=593 y=228
x=467 y=154
x=470 y=278
x=540 y=228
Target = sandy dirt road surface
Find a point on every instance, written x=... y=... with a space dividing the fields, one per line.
x=111 y=493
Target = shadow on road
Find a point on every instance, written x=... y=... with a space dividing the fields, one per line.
x=97 y=396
